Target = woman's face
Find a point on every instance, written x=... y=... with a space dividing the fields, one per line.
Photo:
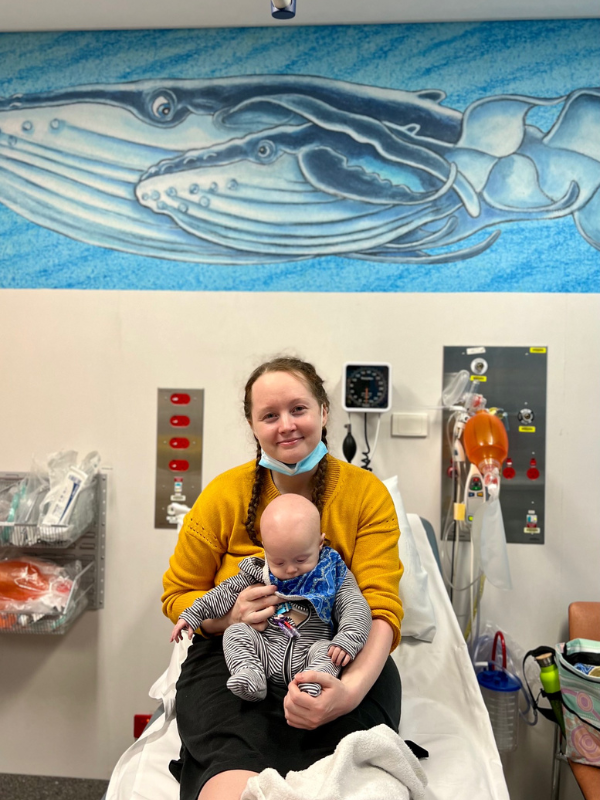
x=286 y=418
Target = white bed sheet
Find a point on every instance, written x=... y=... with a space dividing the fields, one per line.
x=442 y=707
x=442 y=710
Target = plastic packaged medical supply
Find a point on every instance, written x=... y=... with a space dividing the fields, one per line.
x=489 y=540
x=60 y=510
x=31 y=497
x=66 y=481
x=33 y=585
x=10 y=499
x=36 y=487
x=52 y=504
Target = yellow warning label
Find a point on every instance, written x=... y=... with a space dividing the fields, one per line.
x=459 y=511
x=538 y=349
x=526 y=428
x=481 y=378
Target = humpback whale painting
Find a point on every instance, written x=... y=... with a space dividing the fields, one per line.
x=282 y=168
x=279 y=169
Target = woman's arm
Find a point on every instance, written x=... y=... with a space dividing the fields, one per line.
x=375 y=560
x=339 y=697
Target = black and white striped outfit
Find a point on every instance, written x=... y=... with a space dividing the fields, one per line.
x=254 y=657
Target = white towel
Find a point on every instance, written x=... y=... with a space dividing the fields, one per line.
x=366 y=765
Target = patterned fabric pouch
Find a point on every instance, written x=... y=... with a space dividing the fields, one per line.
x=581 y=699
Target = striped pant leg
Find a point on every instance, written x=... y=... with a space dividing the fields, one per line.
x=318 y=660
x=247 y=659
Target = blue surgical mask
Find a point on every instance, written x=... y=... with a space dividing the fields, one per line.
x=308 y=463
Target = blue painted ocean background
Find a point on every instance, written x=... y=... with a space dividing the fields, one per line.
x=467 y=61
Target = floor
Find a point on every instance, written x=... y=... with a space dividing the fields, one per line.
x=34 y=787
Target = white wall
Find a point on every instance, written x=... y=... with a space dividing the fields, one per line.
x=81 y=369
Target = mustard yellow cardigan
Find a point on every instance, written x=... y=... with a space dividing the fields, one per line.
x=358 y=519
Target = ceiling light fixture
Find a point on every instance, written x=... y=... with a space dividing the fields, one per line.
x=283 y=9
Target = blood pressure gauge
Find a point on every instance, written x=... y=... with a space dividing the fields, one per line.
x=367 y=387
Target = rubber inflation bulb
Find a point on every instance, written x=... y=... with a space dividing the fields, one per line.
x=349 y=445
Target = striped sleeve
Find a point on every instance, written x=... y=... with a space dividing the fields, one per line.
x=353 y=615
x=218 y=601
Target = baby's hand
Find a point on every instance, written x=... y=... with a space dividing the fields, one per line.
x=176 y=635
x=339 y=657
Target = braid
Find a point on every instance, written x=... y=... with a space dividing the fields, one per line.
x=318 y=489
x=259 y=477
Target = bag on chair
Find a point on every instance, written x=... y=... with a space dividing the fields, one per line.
x=581 y=699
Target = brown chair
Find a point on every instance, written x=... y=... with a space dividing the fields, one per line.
x=584 y=623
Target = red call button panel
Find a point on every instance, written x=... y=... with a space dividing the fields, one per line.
x=179 y=443
x=179 y=465
x=178 y=480
x=179 y=421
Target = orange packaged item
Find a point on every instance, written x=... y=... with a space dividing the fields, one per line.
x=31 y=585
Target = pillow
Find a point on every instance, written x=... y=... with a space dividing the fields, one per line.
x=419 y=616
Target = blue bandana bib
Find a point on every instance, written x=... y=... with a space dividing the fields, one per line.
x=319 y=586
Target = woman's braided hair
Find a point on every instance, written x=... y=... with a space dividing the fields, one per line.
x=308 y=375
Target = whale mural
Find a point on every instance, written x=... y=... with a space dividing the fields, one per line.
x=267 y=169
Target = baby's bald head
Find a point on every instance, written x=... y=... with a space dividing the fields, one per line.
x=290 y=529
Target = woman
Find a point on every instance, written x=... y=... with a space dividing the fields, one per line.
x=226 y=740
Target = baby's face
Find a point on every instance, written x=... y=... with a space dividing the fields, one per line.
x=292 y=552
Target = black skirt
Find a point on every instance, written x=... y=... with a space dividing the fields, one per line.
x=220 y=732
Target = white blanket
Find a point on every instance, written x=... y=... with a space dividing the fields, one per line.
x=367 y=765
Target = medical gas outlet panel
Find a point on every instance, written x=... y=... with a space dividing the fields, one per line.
x=513 y=382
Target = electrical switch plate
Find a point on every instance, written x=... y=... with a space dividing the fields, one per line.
x=178 y=451
x=410 y=424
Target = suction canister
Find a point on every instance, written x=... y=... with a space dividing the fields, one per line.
x=500 y=691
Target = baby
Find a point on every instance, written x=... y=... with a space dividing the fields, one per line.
x=319 y=594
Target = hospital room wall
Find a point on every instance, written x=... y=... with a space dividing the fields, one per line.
x=81 y=371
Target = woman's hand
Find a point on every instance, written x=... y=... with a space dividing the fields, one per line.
x=302 y=710
x=339 y=696
x=253 y=606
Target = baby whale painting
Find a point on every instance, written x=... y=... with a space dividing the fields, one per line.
x=268 y=169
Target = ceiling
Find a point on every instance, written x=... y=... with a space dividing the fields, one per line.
x=38 y=15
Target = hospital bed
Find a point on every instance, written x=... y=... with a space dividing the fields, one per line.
x=442 y=707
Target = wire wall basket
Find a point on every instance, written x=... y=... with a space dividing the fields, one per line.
x=33 y=534
x=59 y=621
